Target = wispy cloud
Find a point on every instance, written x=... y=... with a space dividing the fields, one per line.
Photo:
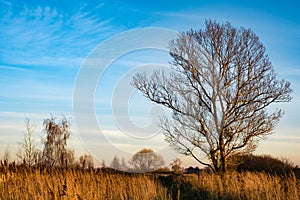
x=10 y=67
x=6 y=3
x=47 y=36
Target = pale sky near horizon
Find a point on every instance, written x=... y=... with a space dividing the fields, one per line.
x=44 y=46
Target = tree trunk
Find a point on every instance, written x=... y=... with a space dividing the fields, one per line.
x=223 y=163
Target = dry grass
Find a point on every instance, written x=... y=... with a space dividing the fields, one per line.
x=69 y=184
x=78 y=184
x=242 y=186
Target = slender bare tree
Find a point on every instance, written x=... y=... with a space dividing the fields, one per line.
x=219 y=92
x=124 y=166
x=176 y=166
x=115 y=163
x=27 y=148
x=118 y=164
x=86 y=161
x=6 y=156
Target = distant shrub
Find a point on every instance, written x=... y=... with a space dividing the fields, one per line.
x=263 y=163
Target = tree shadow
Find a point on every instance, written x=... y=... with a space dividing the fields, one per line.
x=178 y=188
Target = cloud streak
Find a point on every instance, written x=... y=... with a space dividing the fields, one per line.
x=46 y=36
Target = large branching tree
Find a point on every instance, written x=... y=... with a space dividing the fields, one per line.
x=219 y=92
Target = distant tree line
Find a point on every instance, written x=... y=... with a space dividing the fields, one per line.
x=56 y=154
x=55 y=151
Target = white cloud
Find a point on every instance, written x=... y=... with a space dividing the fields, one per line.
x=16 y=115
x=10 y=67
x=46 y=36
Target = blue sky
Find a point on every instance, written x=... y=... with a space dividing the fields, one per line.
x=43 y=45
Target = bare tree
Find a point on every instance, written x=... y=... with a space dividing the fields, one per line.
x=219 y=92
x=70 y=160
x=124 y=166
x=103 y=164
x=115 y=163
x=6 y=156
x=55 y=152
x=118 y=164
x=146 y=160
x=176 y=166
x=27 y=148
x=86 y=161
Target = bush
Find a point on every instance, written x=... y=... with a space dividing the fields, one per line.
x=263 y=163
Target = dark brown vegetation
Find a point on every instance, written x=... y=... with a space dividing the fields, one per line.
x=266 y=164
x=233 y=185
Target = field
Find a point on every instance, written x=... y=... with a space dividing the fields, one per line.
x=79 y=184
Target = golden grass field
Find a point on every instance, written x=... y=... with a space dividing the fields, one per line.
x=79 y=184
x=246 y=185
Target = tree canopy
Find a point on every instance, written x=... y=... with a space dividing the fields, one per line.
x=55 y=152
x=146 y=160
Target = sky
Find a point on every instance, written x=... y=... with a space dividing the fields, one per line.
x=77 y=59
